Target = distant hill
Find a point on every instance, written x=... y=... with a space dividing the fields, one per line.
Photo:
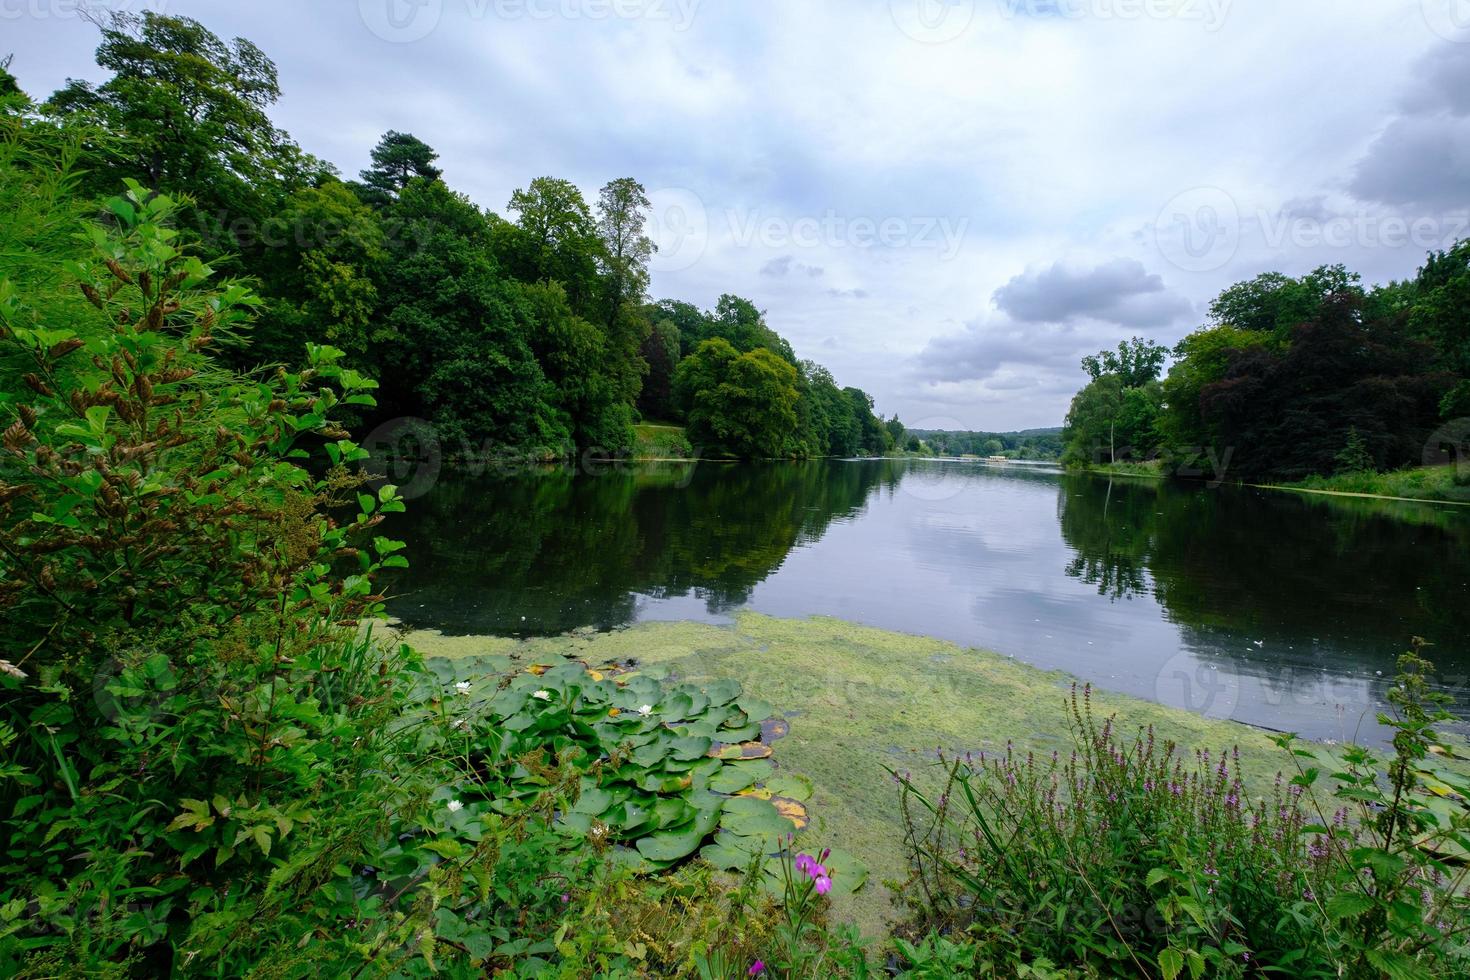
x=1039 y=444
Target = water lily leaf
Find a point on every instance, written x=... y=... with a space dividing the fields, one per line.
x=593 y=801
x=725 y=858
x=761 y=769
x=676 y=707
x=579 y=823
x=670 y=812
x=650 y=755
x=747 y=816
x=795 y=786
x=722 y=692
x=792 y=810
x=731 y=779
x=670 y=845
x=745 y=750
x=746 y=733
x=630 y=818
x=689 y=748
x=699 y=729
x=774 y=728
x=755 y=709
x=848 y=874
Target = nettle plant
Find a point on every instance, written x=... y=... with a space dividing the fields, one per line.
x=183 y=665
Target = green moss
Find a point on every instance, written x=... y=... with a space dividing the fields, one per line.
x=859 y=699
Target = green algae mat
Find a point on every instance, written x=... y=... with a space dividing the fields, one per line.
x=852 y=702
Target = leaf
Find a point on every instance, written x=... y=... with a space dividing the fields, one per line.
x=745 y=750
x=731 y=779
x=671 y=845
x=722 y=692
x=1171 y=963
x=1348 y=905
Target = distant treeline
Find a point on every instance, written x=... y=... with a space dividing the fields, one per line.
x=530 y=334
x=1038 y=444
x=1294 y=377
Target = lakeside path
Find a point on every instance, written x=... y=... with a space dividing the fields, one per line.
x=858 y=699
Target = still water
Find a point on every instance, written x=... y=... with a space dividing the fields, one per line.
x=1270 y=608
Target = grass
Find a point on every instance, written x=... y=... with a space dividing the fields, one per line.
x=1437 y=483
x=1152 y=470
x=661 y=442
x=859 y=699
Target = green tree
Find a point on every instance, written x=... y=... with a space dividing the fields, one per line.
x=1135 y=362
x=192 y=113
x=397 y=159
x=626 y=248
x=325 y=251
x=740 y=404
x=557 y=240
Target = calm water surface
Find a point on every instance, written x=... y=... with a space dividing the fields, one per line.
x=1269 y=608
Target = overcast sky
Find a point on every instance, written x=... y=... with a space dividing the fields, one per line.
x=947 y=202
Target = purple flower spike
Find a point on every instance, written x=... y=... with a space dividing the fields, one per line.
x=824 y=885
x=804 y=863
x=756 y=968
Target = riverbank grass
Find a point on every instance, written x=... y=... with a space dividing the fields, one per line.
x=655 y=442
x=860 y=702
x=1444 y=484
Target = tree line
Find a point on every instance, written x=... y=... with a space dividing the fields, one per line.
x=1292 y=378
x=529 y=333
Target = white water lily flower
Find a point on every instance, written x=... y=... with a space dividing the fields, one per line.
x=542 y=695
x=463 y=687
x=646 y=710
x=455 y=806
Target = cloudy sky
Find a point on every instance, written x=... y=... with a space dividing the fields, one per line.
x=947 y=202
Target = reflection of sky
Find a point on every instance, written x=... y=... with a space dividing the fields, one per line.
x=974 y=555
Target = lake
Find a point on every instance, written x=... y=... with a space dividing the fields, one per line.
x=1275 y=609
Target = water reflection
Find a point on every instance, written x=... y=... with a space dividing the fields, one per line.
x=1279 y=610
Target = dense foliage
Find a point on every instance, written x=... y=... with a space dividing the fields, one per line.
x=1295 y=378
x=529 y=335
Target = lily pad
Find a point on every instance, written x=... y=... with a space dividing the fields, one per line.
x=731 y=779
x=774 y=728
x=722 y=692
x=795 y=786
x=743 y=751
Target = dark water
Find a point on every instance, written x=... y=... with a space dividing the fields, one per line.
x=1270 y=608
